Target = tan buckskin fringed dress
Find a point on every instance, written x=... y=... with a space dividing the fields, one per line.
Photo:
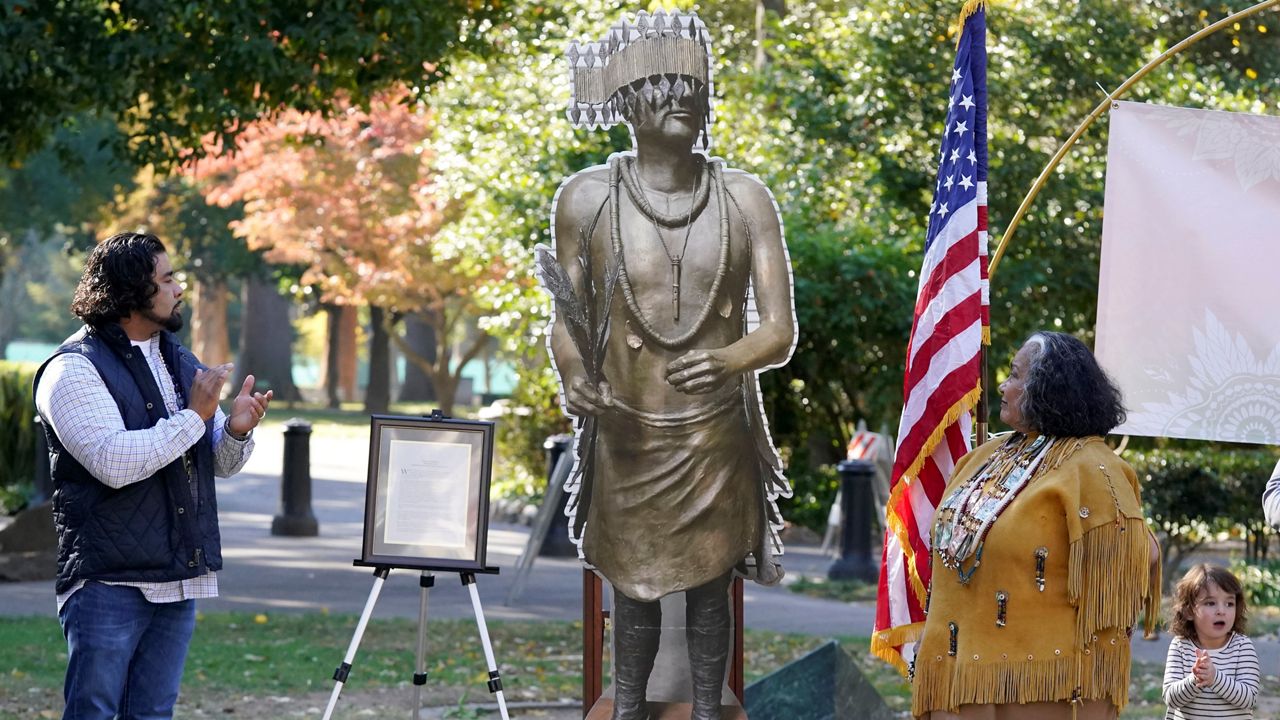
x=1001 y=648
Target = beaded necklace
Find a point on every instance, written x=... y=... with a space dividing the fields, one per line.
x=967 y=514
x=615 y=233
x=631 y=181
x=677 y=259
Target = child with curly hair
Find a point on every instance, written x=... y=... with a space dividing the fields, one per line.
x=1212 y=667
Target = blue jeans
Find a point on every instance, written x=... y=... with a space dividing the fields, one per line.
x=124 y=654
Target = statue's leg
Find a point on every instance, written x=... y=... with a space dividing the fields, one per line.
x=707 y=630
x=637 y=627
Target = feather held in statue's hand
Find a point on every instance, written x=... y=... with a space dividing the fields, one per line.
x=610 y=282
x=568 y=306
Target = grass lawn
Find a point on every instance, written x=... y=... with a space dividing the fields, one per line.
x=277 y=656
x=247 y=660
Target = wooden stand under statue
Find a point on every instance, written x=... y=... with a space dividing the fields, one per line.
x=672 y=292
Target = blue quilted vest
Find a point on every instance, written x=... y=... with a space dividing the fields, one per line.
x=151 y=530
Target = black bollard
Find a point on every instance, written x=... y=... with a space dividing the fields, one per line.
x=855 y=561
x=556 y=543
x=296 y=519
x=42 y=487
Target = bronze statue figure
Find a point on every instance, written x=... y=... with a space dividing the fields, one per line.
x=672 y=290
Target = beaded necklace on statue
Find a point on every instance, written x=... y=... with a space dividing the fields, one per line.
x=635 y=188
x=630 y=178
x=967 y=514
x=616 y=179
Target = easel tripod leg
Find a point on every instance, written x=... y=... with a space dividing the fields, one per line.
x=495 y=679
x=343 y=670
x=426 y=581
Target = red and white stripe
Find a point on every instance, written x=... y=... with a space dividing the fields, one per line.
x=941 y=386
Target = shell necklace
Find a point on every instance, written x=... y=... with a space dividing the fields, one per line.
x=618 y=178
x=635 y=188
x=967 y=514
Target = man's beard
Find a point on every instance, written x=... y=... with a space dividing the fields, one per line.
x=173 y=323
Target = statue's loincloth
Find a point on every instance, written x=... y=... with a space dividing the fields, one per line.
x=676 y=498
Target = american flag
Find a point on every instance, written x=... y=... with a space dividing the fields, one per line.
x=942 y=383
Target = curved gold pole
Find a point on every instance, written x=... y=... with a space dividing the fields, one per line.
x=981 y=424
x=1097 y=112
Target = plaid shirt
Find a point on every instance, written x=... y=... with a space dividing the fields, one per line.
x=76 y=404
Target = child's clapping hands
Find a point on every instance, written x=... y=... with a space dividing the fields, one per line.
x=1203 y=669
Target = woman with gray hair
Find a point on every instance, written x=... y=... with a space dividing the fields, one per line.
x=1041 y=556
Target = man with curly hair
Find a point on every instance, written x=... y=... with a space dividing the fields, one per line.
x=135 y=440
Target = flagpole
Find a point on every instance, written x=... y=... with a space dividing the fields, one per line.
x=982 y=411
x=1097 y=112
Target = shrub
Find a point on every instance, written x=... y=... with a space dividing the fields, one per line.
x=17 y=435
x=1261 y=582
x=532 y=416
x=1184 y=498
x=1193 y=494
x=814 y=489
x=1244 y=474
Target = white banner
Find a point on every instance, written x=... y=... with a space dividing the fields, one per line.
x=1189 y=290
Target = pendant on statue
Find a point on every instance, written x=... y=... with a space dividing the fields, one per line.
x=675 y=289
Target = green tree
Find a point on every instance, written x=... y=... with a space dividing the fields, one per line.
x=502 y=148
x=217 y=262
x=52 y=202
x=842 y=122
x=1196 y=492
x=1245 y=472
x=171 y=73
x=1185 y=498
x=38 y=287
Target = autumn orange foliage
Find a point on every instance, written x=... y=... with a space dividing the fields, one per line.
x=351 y=198
x=348 y=197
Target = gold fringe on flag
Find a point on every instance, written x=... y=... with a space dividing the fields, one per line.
x=970 y=7
x=883 y=642
x=896 y=523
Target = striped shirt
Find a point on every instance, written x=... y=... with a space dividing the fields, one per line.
x=77 y=406
x=1235 y=685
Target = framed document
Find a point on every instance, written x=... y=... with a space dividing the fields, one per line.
x=427 y=500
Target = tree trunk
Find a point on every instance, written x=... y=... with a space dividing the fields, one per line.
x=266 y=341
x=332 y=355
x=444 y=371
x=1176 y=549
x=209 y=339
x=348 y=352
x=447 y=389
x=377 y=396
x=779 y=8
x=339 y=371
x=434 y=363
x=420 y=337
